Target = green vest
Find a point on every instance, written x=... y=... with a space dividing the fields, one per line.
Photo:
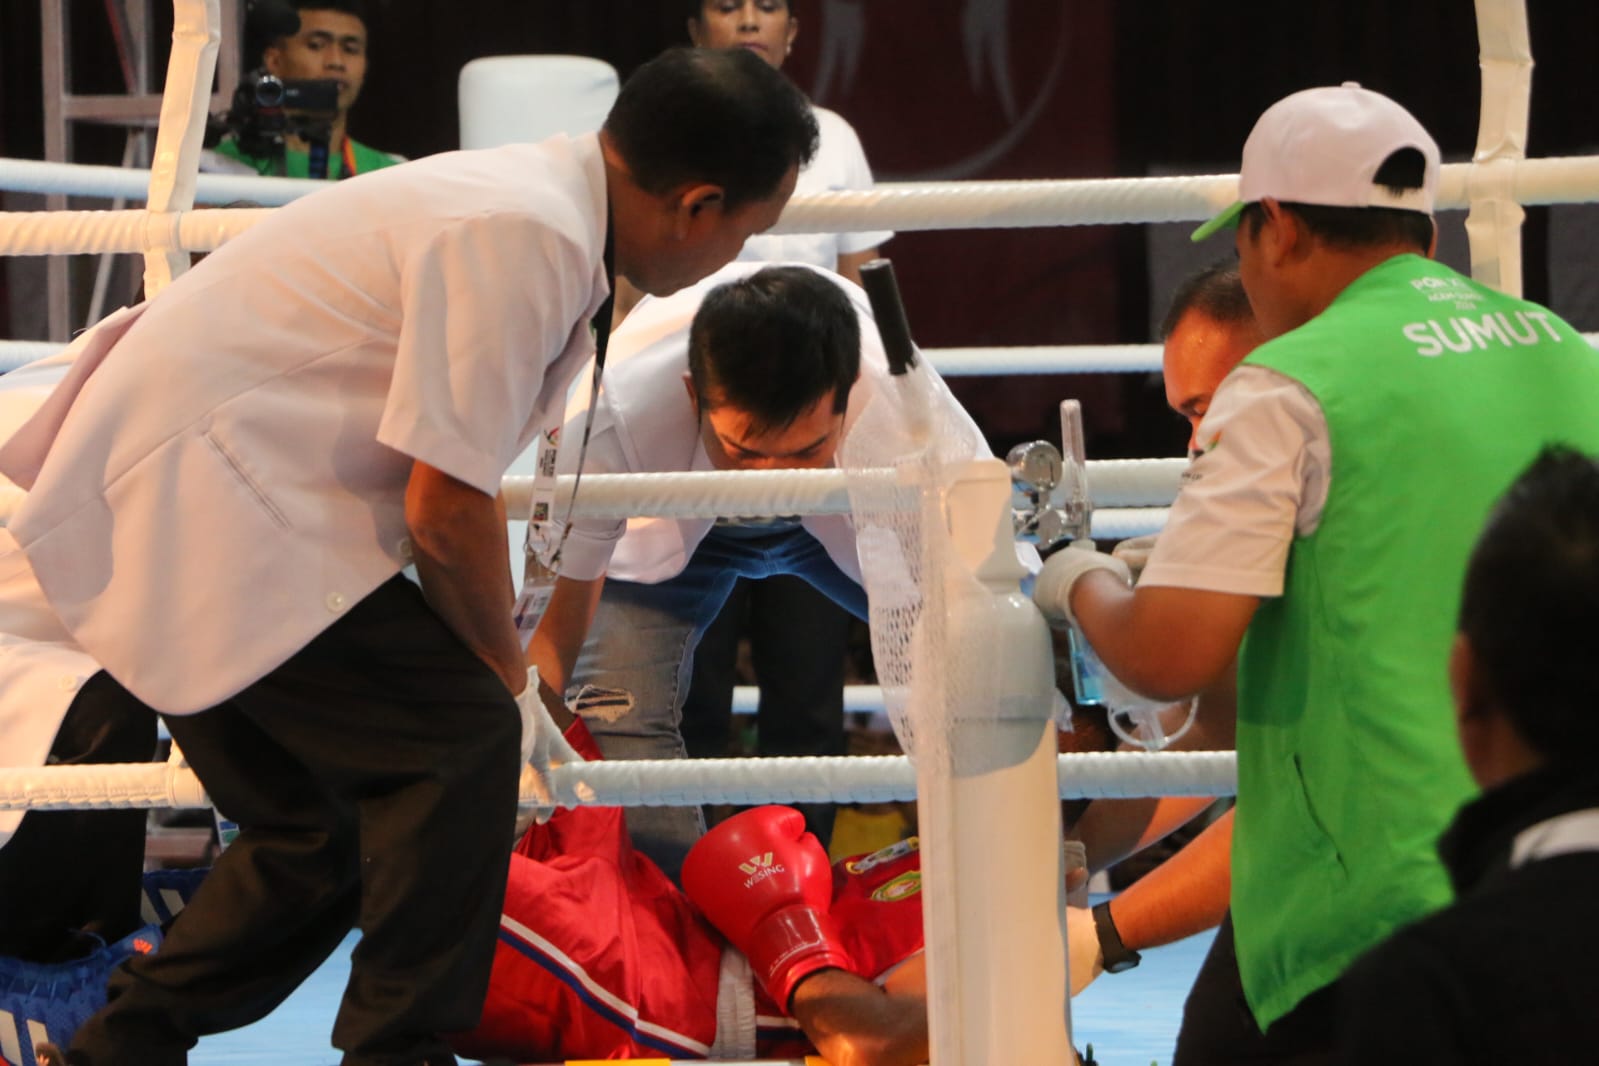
x=1438 y=392
x=297 y=164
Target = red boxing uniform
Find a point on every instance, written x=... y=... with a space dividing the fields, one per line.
x=601 y=956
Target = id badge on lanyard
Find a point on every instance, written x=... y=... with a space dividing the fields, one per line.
x=538 y=578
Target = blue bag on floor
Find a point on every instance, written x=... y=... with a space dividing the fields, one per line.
x=46 y=1002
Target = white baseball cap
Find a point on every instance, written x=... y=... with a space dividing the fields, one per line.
x=1323 y=146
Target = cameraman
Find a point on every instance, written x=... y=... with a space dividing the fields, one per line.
x=329 y=42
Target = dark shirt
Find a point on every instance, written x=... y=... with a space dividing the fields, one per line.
x=1506 y=974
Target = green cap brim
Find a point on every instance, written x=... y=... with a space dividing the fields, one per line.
x=1226 y=220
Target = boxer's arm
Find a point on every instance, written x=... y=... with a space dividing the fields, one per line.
x=853 y=1022
x=1113 y=829
x=458 y=542
x=559 y=637
x=1184 y=895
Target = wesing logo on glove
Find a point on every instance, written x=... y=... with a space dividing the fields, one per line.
x=759 y=868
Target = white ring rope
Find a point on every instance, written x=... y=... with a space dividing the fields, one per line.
x=664 y=783
x=747 y=698
x=903 y=207
x=128 y=183
x=86 y=232
x=1112 y=483
x=950 y=362
x=1135 y=491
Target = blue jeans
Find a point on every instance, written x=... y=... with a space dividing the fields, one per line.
x=643 y=639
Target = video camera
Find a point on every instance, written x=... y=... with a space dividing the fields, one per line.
x=266 y=109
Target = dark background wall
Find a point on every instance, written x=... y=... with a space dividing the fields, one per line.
x=942 y=89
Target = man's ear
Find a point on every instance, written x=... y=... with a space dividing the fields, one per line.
x=693 y=397
x=272 y=60
x=1281 y=234
x=697 y=204
x=1432 y=246
x=1465 y=678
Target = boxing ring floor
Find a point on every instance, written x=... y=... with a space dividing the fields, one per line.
x=1130 y=1018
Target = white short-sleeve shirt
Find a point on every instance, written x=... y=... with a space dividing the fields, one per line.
x=644 y=423
x=839 y=164
x=222 y=474
x=41 y=669
x=1260 y=479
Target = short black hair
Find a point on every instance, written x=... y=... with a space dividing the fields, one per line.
x=1359 y=227
x=1216 y=291
x=268 y=22
x=1530 y=607
x=773 y=344
x=724 y=117
x=343 y=7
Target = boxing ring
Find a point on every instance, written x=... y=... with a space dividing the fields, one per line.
x=1130 y=497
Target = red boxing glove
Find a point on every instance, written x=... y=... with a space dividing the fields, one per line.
x=766 y=884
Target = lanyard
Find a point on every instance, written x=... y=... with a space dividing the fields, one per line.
x=539 y=575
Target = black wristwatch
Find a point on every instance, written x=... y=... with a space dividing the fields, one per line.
x=1119 y=958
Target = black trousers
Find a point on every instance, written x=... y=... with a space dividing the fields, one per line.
x=65 y=871
x=374 y=779
x=798 y=642
x=1219 y=1028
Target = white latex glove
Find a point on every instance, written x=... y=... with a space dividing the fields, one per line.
x=1052 y=591
x=543 y=748
x=1135 y=552
x=1082 y=945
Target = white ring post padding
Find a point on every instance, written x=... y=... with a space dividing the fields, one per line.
x=196 y=34
x=1493 y=227
x=951 y=205
x=664 y=783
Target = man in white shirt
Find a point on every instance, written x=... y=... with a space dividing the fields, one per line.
x=778 y=365
x=225 y=487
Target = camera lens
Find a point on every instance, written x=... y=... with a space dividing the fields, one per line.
x=268 y=91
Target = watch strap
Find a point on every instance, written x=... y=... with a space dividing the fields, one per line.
x=1118 y=957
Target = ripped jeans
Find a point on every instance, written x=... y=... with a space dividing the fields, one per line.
x=643 y=639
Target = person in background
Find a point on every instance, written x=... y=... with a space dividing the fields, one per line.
x=306 y=40
x=798 y=638
x=1345 y=467
x=1504 y=973
x=756 y=368
x=1208 y=330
